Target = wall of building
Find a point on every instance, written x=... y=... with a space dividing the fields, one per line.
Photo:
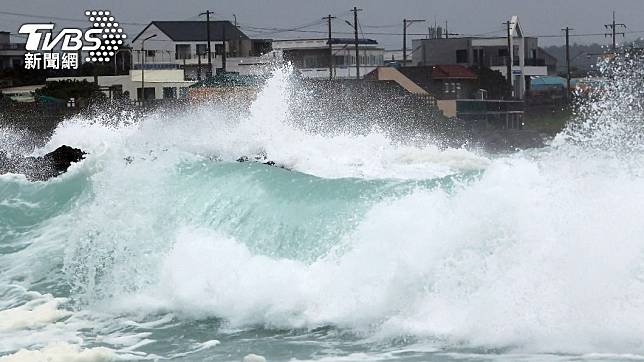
x=5 y=37
x=389 y=73
x=311 y=57
x=12 y=55
x=447 y=106
x=164 y=50
x=437 y=51
x=443 y=51
x=131 y=83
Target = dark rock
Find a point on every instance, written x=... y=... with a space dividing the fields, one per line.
x=261 y=158
x=42 y=168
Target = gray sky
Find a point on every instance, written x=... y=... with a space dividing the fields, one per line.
x=538 y=17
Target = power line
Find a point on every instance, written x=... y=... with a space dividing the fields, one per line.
x=58 y=18
x=355 y=27
x=303 y=28
x=613 y=30
x=329 y=19
x=381 y=26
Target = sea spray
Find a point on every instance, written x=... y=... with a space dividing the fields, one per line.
x=160 y=242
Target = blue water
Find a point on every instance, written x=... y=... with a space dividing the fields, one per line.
x=160 y=246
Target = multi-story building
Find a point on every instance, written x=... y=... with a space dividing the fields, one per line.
x=525 y=55
x=311 y=57
x=184 y=45
x=455 y=89
x=395 y=57
x=166 y=84
x=12 y=55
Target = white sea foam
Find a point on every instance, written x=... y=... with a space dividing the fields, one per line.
x=543 y=252
x=33 y=314
x=266 y=129
x=521 y=258
x=62 y=352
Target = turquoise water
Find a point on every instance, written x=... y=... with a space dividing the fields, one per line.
x=160 y=246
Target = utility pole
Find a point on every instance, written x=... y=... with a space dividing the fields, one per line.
x=209 y=71
x=567 y=30
x=447 y=33
x=329 y=18
x=406 y=24
x=223 y=54
x=143 y=69
x=509 y=57
x=198 y=66
x=613 y=31
x=355 y=29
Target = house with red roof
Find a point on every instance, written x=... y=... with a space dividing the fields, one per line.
x=456 y=92
x=444 y=81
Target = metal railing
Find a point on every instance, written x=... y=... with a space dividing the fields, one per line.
x=12 y=46
x=502 y=61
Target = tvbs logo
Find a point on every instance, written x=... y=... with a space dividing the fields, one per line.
x=100 y=42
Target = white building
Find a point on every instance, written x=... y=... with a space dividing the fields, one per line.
x=311 y=56
x=184 y=45
x=396 y=56
x=527 y=59
x=21 y=94
x=159 y=84
x=12 y=55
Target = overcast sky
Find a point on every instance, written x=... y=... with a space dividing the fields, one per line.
x=538 y=17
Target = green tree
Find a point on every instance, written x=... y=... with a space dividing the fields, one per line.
x=66 y=89
x=492 y=81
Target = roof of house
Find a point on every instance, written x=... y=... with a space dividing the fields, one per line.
x=229 y=79
x=547 y=82
x=316 y=43
x=352 y=41
x=452 y=71
x=424 y=76
x=196 y=30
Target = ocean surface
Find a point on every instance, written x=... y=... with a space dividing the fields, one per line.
x=159 y=245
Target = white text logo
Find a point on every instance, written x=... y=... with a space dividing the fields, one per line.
x=99 y=43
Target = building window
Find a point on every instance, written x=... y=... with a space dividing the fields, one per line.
x=452 y=88
x=149 y=93
x=339 y=60
x=150 y=53
x=311 y=61
x=202 y=49
x=182 y=51
x=461 y=56
x=169 y=92
x=478 y=56
x=219 y=49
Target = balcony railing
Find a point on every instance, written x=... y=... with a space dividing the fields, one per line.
x=536 y=62
x=12 y=46
x=502 y=61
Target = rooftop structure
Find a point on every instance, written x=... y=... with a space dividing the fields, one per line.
x=184 y=45
x=312 y=58
x=525 y=56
